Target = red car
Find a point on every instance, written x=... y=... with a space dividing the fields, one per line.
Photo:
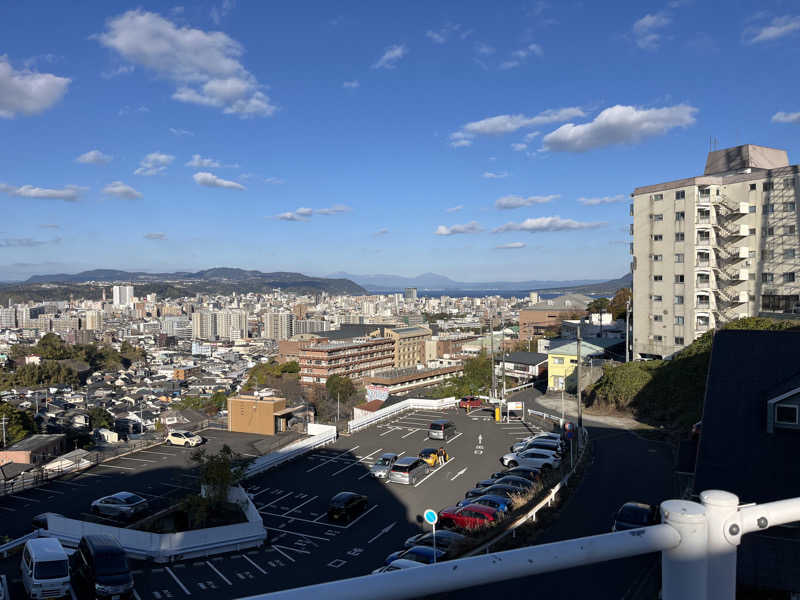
x=470 y=402
x=471 y=516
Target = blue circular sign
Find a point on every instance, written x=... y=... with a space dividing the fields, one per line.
x=430 y=516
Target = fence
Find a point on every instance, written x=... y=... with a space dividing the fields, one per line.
x=320 y=435
x=394 y=409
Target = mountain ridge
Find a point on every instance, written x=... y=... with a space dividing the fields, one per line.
x=434 y=281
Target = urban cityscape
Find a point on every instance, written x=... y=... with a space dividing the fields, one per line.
x=400 y=302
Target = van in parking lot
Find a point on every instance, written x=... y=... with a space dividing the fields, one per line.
x=100 y=569
x=45 y=569
x=442 y=430
x=408 y=470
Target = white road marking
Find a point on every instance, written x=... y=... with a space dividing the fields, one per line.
x=382 y=531
x=47 y=491
x=329 y=460
x=305 y=535
x=70 y=483
x=412 y=432
x=8 y=509
x=18 y=497
x=263 y=572
x=420 y=482
x=136 y=595
x=459 y=474
x=137 y=459
x=161 y=453
x=283 y=553
x=178 y=581
x=116 y=467
x=454 y=437
x=361 y=516
x=289 y=548
x=213 y=568
x=277 y=499
x=315 y=521
x=388 y=431
x=260 y=492
x=301 y=504
x=356 y=462
x=174 y=485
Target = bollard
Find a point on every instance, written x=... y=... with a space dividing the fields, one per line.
x=684 y=568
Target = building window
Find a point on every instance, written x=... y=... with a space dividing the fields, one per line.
x=658 y=318
x=767 y=231
x=658 y=338
x=678 y=299
x=767 y=186
x=679 y=258
x=680 y=215
x=679 y=341
x=558 y=361
x=769 y=208
x=679 y=278
x=658 y=196
x=788 y=183
x=680 y=195
x=789 y=253
x=658 y=237
x=786 y=414
x=752 y=208
x=752 y=187
x=767 y=254
x=752 y=231
x=767 y=278
x=657 y=257
x=789 y=230
x=679 y=237
x=657 y=277
x=678 y=320
x=657 y=217
x=655 y=298
x=788 y=277
x=789 y=206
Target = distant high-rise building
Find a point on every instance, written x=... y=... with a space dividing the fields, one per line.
x=533 y=297
x=93 y=320
x=204 y=325
x=279 y=325
x=8 y=318
x=410 y=293
x=123 y=296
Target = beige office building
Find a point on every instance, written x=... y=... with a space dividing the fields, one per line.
x=713 y=248
x=409 y=345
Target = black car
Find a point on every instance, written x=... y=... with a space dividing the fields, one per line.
x=528 y=473
x=507 y=479
x=445 y=539
x=99 y=569
x=494 y=490
x=345 y=506
x=633 y=515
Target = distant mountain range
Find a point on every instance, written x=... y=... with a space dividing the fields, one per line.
x=433 y=281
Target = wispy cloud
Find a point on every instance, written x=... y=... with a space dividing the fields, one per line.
x=121 y=70
x=50 y=226
x=25 y=242
x=351 y=84
x=70 y=193
x=274 y=180
x=180 y=132
x=602 y=200
x=391 y=57
x=441 y=36
x=502 y=124
x=453 y=209
x=336 y=209
x=484 y=49
x=619 y=125
x=513 y=201
x=121 y=190
x=544 y=224
x=126 y=110
x=198 y=162
x=777 y=28
x=471 y=227
x=381 y=231
x=154 y=163
x=491 y=175
x=210 y=180
x=510 y=246
x=94 y=157
x=784 y=117
x=518 y=57
x=518 y=146
x=155 y=236
x=301 y=214
x=646 y=30
x=26 y=92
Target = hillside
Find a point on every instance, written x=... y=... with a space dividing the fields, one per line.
x=605 y=287
x=434 y=281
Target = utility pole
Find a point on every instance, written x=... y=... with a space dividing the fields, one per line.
x=3 y=421
x=337 y=407
x=491 y=345
x=503 y=356
x=627 y=329
x=578 y=369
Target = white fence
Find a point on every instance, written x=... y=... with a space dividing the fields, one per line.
x=394 y=409
x=320 y=435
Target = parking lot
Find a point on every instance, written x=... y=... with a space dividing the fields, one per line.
x=303 y=546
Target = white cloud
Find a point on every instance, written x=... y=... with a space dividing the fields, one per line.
x=304 y=212
x=180 y=132
x=645 y=30
x=527 y=51
x=619 y=125
x=541 y=224
x=211 y=180
x=94 y=157
x=154 y=163
x=778 y=28
x=27 y=92
x=126 y=110
x=509 y=64
x=484 y=49
x=518 y=147
x=301 y=214
x=531 y=135
x=436 y=36
x=336 y=209
x=274 y=180
x=501 y=124
x=604 y=200
x=121 y=70
x=459 y=139
x=514 y=201
x=391 y=57
x=121 y=190
x=442 y=35
x=69 y=193
x=453 y=209
x=25 y=242
x=510 y=246
x=471 y=227
x=784 y=117
x=351 y=84
x=202 y=163
x=155 y=236
x=491 y=175
x=203 y=65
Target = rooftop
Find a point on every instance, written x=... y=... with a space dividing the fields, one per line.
x=36 y=441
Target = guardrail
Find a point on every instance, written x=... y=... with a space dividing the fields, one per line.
x=322 y=435
x=394 y=409
x=9 y=547
x=3 y=588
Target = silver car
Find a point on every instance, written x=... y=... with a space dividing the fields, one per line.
x=384 y=464
x=408 y=470
x=122 y=505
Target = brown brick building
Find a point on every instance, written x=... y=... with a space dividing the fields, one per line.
x=356 y=358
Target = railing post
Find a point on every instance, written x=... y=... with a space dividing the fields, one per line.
x=720 y=506
x=684 y=569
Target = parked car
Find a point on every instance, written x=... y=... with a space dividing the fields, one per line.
x=469 y=402
x=499 y=503
x=183 y=438
x=421 y=554
x=408 y=470
x=396 y=565
x=542 y=443
x=383 y=465
x=531 y=458
x=442 y=429
x=498 y=489
x=519 y=482
x=45 y=569
x=345 y=506
x=429 y=456
x=527 y=472
x=100 y=569
x=471 y=516
x=445 y=539
x=122 y=505
x=633 y=515
x=40 y=520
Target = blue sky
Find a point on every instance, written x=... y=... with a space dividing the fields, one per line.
x=478 y=142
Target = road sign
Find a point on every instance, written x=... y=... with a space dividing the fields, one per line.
x=569 y=430
x=430 y=516
x=514 y=406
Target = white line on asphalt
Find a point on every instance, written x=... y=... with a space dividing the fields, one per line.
x=434 y=471
x=47 y=491
x=263 y=572
x=260 y=492
x=280 y=498
x=367 y=473
x=178 y=581
x=301 y=504
x=315 y=521
x=8 y=509
x=361 y=516
x=454 y=437
x=139 y=459
x=246 y=454
x=459 y=474
x=116 y=467
x=70 y=483
x=175 y=485
x=356 y=462
x=329 y=460
x=18 y=497
x=136 y=595
x=213 y=568
x=290 y=548
x=305 y=535
x=382 y=531
x=388 y=431
x=161 y=453
x=412 y=432
x=283 y=553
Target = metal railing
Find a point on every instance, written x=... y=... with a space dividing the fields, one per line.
x=394 y=409
x=327 y=435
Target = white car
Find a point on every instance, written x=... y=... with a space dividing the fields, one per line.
x=535 y=458
x=183 y=438
x=520 y=445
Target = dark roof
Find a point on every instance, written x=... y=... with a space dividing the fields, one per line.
x=347 y=332
x=523 y=358
x=12 y=469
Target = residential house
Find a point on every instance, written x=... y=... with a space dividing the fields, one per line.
x=562 y=360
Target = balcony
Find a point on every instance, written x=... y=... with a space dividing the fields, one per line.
x=700 y=262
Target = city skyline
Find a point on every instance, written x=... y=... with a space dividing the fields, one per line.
x=481 y=145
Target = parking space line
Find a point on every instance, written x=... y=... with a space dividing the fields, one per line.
x=294 y=549
x=329 y=460
x=434 y=471
x=454 y=437
x=356 y=462
x=301 y=504
x=263 y=572
x=139 y=459
x=116 y=467
x=315 y=521
x=276 y=499
x=8 y=509
x=47 y=491
x=178 y=581
x=213 y=568
x=136 y=595
x=361 y=516
x=18 y=497
x=260 y=492
x=412 y=432
x=283 y=553
x=161 y=453
x=70 y=483
x=305 y=535
x=388 y=431
x=175 y=485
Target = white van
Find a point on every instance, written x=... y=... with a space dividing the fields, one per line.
x=45 y=569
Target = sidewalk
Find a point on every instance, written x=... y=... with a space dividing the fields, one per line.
x=552 y=405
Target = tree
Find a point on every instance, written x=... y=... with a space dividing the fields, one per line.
x=599 y=305
x=52 y=347
x=18 y=424
x=341 y=387
x=291 y=366
x=99 y=417
x=218 y=472
x=619 y=303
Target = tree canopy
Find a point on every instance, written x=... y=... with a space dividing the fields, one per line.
x=18 y=424
x=599 y=305
x=618 y=303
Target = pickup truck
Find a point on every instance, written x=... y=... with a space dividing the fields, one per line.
x=470 y=402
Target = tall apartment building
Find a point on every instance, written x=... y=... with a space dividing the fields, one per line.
x=231 y=324
x=204 y=325
x=410 y=293
x=93 y=320
x=123 y=295
x=279 y=325
x=713 y=248
x=356 y=358
x=409 y=345
x=8 y=318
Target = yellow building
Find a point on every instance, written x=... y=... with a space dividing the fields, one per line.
x=562 y=360
x=409 y=345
